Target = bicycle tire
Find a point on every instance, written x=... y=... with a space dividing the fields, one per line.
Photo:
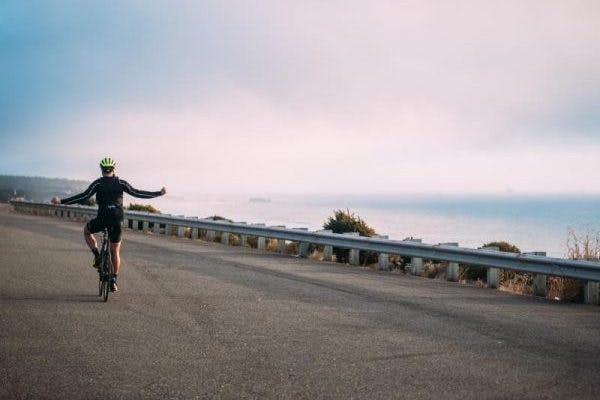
x=101 y=274
x=109 y=270
x=105 y=287
x=105 y=275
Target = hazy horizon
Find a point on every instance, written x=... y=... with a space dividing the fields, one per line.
x=283 y=97
x=353 y=195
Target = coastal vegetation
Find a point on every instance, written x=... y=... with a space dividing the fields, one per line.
x=579 y=247
x=143 y=207
x=346 y=221
x=38 y=189
x=476 y=273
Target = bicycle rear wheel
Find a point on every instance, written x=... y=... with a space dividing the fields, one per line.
x=105 y=288
x=105 y=276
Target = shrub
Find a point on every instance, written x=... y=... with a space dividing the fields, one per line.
x=143 y=207
x=345 y=221
x=586 y=247
x=219 y=218
x=252 y=242
x=434 y=270
x=91 y=202
x=520 y=282
x=474 y=272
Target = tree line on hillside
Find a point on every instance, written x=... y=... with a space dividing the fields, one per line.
x=39 y=189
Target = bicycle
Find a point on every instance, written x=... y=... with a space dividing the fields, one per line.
x=105 y=269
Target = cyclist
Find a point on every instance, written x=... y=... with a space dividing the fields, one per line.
x=109 y=195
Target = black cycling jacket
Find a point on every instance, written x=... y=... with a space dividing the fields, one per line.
x=109 y=193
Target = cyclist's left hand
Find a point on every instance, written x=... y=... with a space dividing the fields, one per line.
x=55 y=200
x=163 y=191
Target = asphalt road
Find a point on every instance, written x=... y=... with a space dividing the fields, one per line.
x=199 y=320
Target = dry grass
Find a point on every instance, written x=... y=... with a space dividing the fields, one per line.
x=516 y=282
x=434 y=270
x=316 y=255
x=252 y=242
x=521 y=283
x=565 y=289
x=271 y=244
x=291 y=248
x=586 y=247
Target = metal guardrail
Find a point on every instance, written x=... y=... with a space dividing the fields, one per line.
x=536 y=264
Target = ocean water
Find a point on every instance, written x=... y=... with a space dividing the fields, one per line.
x=533 y=223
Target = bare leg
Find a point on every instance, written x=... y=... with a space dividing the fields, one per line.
x=89 y=238
x=115 y=251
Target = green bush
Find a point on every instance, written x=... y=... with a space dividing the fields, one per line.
x=345 y=221
x=219 y=218
x=90 y=202
x=474 y=272
x=504 y=246
x=143 y=207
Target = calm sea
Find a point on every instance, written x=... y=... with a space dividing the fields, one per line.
x=540 y=223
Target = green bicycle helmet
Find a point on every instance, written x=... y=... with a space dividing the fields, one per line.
x=107 y=163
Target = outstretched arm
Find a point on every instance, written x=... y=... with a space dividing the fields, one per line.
x=142 y=194
x=89 y=192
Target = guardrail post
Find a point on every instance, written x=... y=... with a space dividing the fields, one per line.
x=453 y=271
x=224 y=237
x=384 y=258
x=327 y=249
x=210 y=236
x=591 y=293
x=145 y=226
x=280 y=242
x=243 y=238
x=493 y=274
x=303 y=246
x=539 y=280
x=416 y=263
x=261 y=243
x=195 y=233
x=156 y=228
x=328 y=253
x=180 y=231
x=168 y=230
x=353 y=254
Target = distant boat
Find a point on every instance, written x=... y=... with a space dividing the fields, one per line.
x=259 y=200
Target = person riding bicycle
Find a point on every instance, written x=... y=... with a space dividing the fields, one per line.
x=109 y=195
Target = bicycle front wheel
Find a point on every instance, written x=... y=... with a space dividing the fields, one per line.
x=105 y=277
x=105 y=288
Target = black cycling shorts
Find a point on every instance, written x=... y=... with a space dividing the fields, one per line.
x=112 y=221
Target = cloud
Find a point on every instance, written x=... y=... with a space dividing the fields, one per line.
x=294 y=96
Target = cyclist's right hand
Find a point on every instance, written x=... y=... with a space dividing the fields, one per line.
x=55 y=200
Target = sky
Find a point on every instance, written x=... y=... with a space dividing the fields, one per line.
x=305 y=96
